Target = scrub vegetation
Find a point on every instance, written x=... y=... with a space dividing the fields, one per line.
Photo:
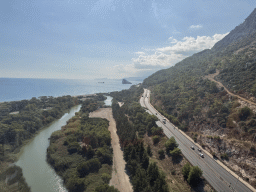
x=81 y=151
x=154 y=163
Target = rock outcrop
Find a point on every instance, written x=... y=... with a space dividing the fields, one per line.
x=124 y=81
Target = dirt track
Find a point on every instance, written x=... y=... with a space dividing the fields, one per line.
x=120 y=179
x=211 y=77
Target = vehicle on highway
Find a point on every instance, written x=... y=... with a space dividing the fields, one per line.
x=156 y=113
x=199 y=149
x=142 y=96
x=192 y=147
x=164 y=120
x=201 y=155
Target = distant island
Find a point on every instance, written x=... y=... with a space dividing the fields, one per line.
x=124 y=81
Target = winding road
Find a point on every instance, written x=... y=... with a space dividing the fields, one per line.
x=218 y=175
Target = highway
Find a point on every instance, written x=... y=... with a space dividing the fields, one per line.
x=218 y=177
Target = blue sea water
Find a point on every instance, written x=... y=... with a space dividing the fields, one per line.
x=13 y=89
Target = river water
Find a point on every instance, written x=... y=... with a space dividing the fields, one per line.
x=38 y=173
x=108 y=101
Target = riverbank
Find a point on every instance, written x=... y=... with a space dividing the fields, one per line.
x=20 y=129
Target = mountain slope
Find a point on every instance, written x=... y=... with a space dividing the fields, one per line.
x=244 y=29
x=218 y=121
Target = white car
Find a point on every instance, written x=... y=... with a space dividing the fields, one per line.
x=201 y=155
x=192 y=147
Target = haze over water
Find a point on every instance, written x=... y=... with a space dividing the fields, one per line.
x=13 y=89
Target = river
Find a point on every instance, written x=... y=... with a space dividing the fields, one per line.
x=38 y=173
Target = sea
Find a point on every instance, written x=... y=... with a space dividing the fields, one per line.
x=15 y=89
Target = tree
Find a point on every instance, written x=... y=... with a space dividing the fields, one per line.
x=105 y=177
x=194 y=175
x=175 y=152
x=140 y=181
x=105 y=188
x=160 y=184
x=75 y=184
x=171 y=144
x=156 y=139
x=93 y=165
x=149 y=151
x=152 y=173
x=145 y=160
x=132 y=166
x=90 y=152
x=161 y=153
x=186 y=170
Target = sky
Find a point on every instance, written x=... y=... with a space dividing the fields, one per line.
x=87 y=39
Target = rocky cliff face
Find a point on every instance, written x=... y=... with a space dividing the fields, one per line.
x=248 y=27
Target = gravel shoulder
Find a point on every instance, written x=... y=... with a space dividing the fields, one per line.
x=120 y=179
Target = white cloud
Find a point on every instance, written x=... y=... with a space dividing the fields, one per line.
x=140 y=53
x=164 y=57
x=195 y=26
x=172 y=40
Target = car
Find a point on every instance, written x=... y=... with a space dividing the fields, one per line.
x=202 y=155
x=192 y=147
x=199 y=149
x=156 y=113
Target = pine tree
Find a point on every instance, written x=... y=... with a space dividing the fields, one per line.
x=145 y=160
x=140 y=181
x=152 y=173
x=149 y=151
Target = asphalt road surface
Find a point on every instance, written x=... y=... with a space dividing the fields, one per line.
x=218 y=177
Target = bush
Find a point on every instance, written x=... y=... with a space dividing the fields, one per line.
x=224 y=156
x=244 y=113
x=161 y=153
x=185 y=170
x=195 y=138
x=87 y=167
x=105 y=188
x=156 y=131
x=156 y=139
